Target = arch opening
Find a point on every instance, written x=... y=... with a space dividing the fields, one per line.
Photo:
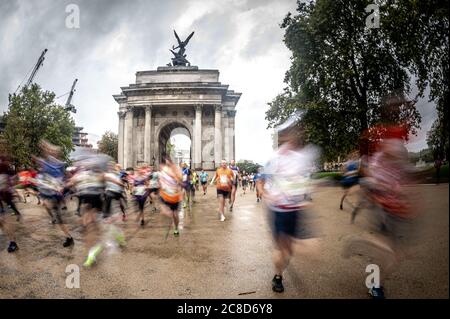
x=175 y=141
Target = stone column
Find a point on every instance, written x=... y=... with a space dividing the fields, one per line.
x=231 y=122
x=121 y=132
x=147 y=135
x=226 y=137
x=128 y=139
x=198 y=137
x=218 y=135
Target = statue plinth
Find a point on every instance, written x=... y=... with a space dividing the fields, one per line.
x=176 y=68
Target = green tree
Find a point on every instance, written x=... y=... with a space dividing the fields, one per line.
x=347 y=77
x=109 y=144
x=419 y=32
x=33 y=115
x=437 y=140
x=248 y=166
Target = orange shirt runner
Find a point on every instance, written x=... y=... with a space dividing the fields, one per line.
x=224 y=179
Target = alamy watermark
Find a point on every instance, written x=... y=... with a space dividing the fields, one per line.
x=373 y=279
x=73 y=277
x=73 y=17
x=373 y=19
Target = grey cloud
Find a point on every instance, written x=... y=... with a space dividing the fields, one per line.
x=150 y=25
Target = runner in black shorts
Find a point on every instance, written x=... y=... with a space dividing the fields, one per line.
x=224 y=179
x=50 y=185
x=114 y=190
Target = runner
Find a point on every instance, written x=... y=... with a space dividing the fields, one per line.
x=256 y=177
x=89 y=184
x=6 y=186
x=140 y=192
x=224 y=185
x=204 y=181
x=236 y=179
x=114 y=189
x=251 y=181
x=6 y=196
x=188 y=188
x=244 y=181
x=27 y=183
x=195 y=179
x=50 y=185
x=171 y=193
x=154 y=187
x=393 y=222
x=282 y=188
x=351 y=175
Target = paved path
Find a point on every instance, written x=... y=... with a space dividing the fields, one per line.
x=232 y=259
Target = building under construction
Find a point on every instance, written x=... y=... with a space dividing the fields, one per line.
x=80 y=139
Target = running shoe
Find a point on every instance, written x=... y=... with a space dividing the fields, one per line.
x=142 y=222
x=69 y=242
x=120 y=239
x=176 y=232
x=90 y=260
x=222 y=218
x=92 y=257
x=124 y=218
x=277 y=284
x=12 y=247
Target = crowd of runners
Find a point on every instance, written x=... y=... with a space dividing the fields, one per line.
x=283 y=185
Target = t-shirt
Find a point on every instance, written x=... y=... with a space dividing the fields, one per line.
x=24 y=178
x=224 y=179
x=186 y=173
x=235 y=170
x=110 y=185
x=387 y=177
x=140 y=188
x=287 y=179
x=51 y=175
x=170 y=190
x=351 y=172
x=204 y=177
x=89 y=182
x=154 y=180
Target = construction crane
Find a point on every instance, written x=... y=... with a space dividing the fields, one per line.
x=36 y=67
x=69 y=106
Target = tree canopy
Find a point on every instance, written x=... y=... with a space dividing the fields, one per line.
x=32 y=116
x=349 y=77
x=248 y=166
x=109 y=144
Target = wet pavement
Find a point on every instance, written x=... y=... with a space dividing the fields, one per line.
x=213 y=259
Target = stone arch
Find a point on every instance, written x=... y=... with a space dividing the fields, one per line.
x=174 y=123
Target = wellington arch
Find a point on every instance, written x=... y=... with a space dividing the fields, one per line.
x=176 y=97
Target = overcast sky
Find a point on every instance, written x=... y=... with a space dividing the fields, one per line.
x=116 y=38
